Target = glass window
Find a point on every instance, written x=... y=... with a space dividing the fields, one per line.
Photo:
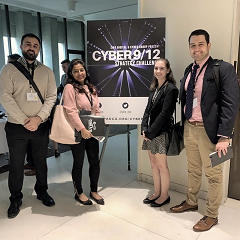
x=21 y=22
x=6 y=48
x=61 y=51
x=53 y=43
x=3 y=37
x=75 y=35
x=54 y=47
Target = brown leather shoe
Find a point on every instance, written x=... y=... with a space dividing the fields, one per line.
x=26 y=166
x=205 y=224
x=184 y=207
x=30 y=173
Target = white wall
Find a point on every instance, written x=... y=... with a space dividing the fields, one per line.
x=218 y=17
x=221 y=19
x=119 y=13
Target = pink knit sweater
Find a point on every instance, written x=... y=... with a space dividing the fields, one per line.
x=69 y=103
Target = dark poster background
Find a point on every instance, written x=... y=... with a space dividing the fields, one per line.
x=121 y=55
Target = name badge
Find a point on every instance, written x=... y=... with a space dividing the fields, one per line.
x=194 y=102
x=32 y=97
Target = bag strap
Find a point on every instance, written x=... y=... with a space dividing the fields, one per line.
x=216 y=72
x=26 y=73
x=188 y=69
x=175 y=114
x=60 y=103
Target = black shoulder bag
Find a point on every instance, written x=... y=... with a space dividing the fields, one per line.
x=175 y=138
x=175 y=143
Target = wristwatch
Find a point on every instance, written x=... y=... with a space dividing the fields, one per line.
x=224 y=138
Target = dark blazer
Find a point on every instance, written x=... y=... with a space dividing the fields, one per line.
x=219 y=107
x=157 y=118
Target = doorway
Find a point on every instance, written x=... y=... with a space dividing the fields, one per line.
x=234 y=174
x=72 y=54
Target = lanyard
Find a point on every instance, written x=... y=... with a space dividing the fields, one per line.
x=155 y=96
x=157 y=91
x=204 y=65
x=89 y=99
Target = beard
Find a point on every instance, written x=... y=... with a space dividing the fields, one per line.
x=29 y=55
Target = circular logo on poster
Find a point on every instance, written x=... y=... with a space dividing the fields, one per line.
x=125 y=105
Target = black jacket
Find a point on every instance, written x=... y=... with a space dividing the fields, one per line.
x=219 y=108
x=157 y=118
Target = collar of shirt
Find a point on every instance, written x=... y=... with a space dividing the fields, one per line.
x=23 y=61
x=201 y=63
x=196 y=113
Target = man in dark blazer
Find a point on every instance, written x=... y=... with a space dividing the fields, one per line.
x=209 y=110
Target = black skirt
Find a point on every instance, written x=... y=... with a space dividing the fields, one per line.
x=156 y=145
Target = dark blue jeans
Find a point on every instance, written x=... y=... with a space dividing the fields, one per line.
x=91 y=146
x=18 y=139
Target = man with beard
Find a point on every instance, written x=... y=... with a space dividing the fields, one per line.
x=27 y=120
x=29 y=159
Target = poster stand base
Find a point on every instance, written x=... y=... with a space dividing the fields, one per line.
x=105 y=143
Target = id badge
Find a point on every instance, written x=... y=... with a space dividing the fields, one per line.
x=194 y=102
x=32 y=97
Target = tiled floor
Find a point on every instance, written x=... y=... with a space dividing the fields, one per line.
x=122 y=217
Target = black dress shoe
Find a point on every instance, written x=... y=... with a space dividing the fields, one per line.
x=87 y=202
x=14 y=210
x=98 y=201
x=148 y=201
x=46 y=199
x=154 y=204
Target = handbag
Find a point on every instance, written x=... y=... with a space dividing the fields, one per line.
x=77 y=134
x=62 y=131
x=94 y=124
x=175 y=138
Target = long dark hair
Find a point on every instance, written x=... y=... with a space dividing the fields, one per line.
x=169 y=76
x=74 y=82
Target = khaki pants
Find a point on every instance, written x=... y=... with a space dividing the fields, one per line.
x=198 y=147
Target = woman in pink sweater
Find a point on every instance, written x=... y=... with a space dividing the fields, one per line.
x=79 y=94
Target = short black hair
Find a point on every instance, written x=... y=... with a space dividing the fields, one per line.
x=13 y=57
x=199 y=32
x=30 y=35
x=65 y=61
